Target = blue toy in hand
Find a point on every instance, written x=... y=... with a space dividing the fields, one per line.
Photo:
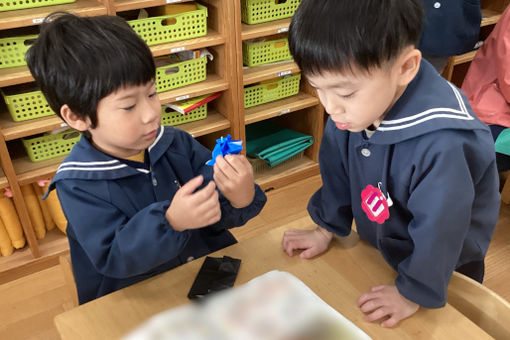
x=225 y=146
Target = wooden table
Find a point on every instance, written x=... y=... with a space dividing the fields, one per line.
x=349 y=268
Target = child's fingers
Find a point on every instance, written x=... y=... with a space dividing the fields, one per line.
x=391 y=322
x=376 y=315
x=204 y=194
x=219 y=177
x=363 y=299
x=309 y=253
x=225 y=167
x=190 y=186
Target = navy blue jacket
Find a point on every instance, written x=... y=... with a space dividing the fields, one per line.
x=117 y=230
x=451 y=27
x=436 y=162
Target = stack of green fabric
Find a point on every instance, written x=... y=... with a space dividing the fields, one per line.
x=273 y=143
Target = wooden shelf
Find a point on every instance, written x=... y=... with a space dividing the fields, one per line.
x=15 y=75
x=212 y=84
x=29 y=172
x=14 y=130
x=214 y=122
x=126 y=5
x=255 y=74
x=55 y=243
x=212 y=38
x=286 y=173
x=279 y=107
x=34 y=16
x=464 y=58
x=4 y=183
x=489 y=17
x=16 y=259
x=264 y=29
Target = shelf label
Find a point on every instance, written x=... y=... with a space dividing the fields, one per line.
x=283 y=73
x=177 y=49
x=282 y=30
x=284 y=112
x=172 y=1
x=182 y=97
x=38 y=20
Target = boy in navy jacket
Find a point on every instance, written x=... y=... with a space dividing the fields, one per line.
x=402 y=153
x=138 y=197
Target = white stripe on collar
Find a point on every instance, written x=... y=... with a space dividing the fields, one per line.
x=120 y=166
x=440 y=112
x=161 y=130
x=114 y=161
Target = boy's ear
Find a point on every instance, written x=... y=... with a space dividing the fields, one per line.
x=73 y=120
x=408 y=65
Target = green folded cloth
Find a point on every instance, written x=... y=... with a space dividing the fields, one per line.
x=273 y=143
x=503 y=142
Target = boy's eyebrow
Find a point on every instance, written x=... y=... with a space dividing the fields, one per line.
x=129 y=95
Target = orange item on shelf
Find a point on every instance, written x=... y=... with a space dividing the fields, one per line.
x=48 y=221
x=6 y=247
x=34 y=210
x=10 y=219
x=55 y=209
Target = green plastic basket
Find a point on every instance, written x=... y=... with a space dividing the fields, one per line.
x=181 y=74
x=28 y=105
x=171 y=117
x=50 y=146
x=278 y=89
x=12 y=50
x=183 y=26
x=257 y=11
x=9 y=5
x=265 y=52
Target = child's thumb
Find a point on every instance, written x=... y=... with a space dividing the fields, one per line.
x=192 y=185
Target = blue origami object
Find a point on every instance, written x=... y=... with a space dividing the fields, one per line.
x=225 y=146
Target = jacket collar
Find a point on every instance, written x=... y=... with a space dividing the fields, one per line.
x=428 y=104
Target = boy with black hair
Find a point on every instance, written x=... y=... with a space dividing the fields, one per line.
x=402 y=153
x=138 y=197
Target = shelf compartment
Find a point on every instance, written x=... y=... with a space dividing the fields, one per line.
x=213 y=83
x=127 y=5
x=212 y=38
x=264 y=29
x=55 y=243
x=293 y=171
x=21 y=74
x=14 y=130
x=277 y=108
x=255 y=74
x=489 y=17
x=214 y=122
x=29 y=172
x=14 y=76
x=34 y=16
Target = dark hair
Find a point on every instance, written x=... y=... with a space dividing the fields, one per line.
x=335 y=35
x=78 y=61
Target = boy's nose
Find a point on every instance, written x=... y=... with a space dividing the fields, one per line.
x=151 y=112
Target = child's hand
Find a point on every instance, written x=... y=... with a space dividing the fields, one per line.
x=193 y=210
x=386 y=301
x=312 y=242
x=234 y=177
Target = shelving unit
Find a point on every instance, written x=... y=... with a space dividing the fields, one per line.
x=226 y=114
x=302 y=112
x=457 y=66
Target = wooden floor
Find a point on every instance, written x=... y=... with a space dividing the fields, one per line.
x=28 y=305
